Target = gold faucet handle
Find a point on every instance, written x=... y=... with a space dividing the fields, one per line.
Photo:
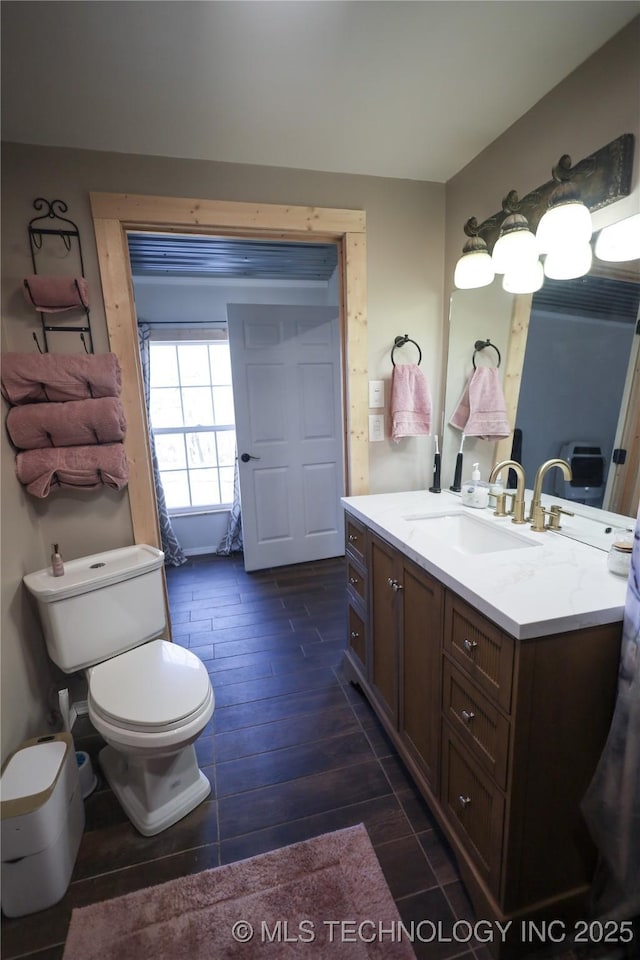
x=554 y=516
x=537 y=519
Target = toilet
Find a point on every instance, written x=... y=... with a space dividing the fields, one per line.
x=149 y=699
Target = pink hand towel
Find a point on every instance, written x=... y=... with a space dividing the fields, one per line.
x=56 y=294
x=481 y=410
x=87 y=467
x=76 y=423
x=56 y=377
x=410 y=402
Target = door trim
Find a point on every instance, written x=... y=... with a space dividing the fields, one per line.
x=116 y=214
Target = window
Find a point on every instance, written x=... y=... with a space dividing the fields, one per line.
x=191 y=410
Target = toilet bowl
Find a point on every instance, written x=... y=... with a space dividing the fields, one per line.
x=149 y=761
x=148 y=698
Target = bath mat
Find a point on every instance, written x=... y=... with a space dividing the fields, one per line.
x=321 y=898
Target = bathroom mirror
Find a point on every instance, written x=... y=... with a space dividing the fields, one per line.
x=569 y=354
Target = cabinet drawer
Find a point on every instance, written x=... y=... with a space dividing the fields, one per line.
x=480 y=648
x=356 y=637
x=478 y=723
x=356 y=580
x=354 y=538
x=474 y=808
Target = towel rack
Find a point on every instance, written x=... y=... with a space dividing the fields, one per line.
x=481 y=345
x=68 y=232
x=400 y=342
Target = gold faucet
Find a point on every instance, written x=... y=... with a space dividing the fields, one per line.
x=537 y=514
x=518 y=508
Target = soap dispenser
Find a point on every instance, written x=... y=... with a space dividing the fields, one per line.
x=475 y=493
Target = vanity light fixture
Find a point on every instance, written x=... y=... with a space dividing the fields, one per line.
x=620 y=241
x=516 y=248
x=567 y=222
x=558 y=212
x=475 y=267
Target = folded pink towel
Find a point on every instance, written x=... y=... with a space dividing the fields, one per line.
x=55 y=294
x=76 y=423
x=410 y=402
x=88 y=467
x=56 y=377
x=481 y=410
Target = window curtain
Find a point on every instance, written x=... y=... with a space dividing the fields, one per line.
x=174 y=555
x=232 y=540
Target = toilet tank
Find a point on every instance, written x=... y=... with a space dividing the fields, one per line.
x=103 y=605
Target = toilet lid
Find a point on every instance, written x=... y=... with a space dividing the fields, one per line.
x=156 y=684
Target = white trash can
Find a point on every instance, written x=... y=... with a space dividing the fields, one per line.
x=42 y=819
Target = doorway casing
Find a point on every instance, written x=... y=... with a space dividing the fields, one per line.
x=116 y=214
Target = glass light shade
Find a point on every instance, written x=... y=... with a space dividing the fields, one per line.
x=515 y=250
x=620 y=241
x=525 y=279
x=473 y=270
x=570 y=263
x=564 y=224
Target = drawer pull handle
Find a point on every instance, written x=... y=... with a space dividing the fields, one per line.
x=469 y=645
x=464 y=801
x=467 y=715
x=352 y=538
x=354 y=634
x=353 y=580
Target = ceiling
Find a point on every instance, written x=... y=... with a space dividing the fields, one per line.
x=174 y=255
x=413 y=90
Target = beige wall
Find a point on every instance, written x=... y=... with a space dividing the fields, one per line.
x=405 y=225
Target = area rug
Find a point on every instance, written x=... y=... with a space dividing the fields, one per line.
x=322 y=898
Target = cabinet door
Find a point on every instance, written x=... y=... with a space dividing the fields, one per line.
x=420 y=666
x=384 y=581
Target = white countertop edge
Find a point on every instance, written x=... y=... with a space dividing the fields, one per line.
x=532 y=623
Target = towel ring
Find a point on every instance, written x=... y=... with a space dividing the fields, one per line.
x=480 y=345
x=400 y=342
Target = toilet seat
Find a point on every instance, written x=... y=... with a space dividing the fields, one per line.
x=155 y=697
x=155 y=687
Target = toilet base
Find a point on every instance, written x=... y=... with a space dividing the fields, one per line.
x=155 y=793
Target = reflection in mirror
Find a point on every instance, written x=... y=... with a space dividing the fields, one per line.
x=570 y=379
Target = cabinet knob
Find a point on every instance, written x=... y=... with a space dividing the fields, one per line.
x=354 y=634
x=352 y=538
x=467 y=715
x=353 y=580
x=469 y=645
x=394 y=584
x=464 y=801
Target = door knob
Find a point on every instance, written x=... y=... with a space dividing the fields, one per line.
x=245 y=457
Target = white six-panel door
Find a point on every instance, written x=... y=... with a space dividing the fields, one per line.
x=287 y=395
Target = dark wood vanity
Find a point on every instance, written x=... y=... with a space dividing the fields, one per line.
x=501 y=735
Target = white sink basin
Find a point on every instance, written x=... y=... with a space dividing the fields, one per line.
x=469 y=534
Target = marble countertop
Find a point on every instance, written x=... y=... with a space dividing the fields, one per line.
x=558 y=585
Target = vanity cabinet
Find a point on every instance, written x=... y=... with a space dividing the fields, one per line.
x=502 y=736
x=357 y=593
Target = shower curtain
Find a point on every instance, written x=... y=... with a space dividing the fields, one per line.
x=174 y=555
x=611 y=805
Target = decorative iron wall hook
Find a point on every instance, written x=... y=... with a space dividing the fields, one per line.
x=52 y=223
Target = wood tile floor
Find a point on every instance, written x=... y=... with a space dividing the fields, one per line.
x=293 y=750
